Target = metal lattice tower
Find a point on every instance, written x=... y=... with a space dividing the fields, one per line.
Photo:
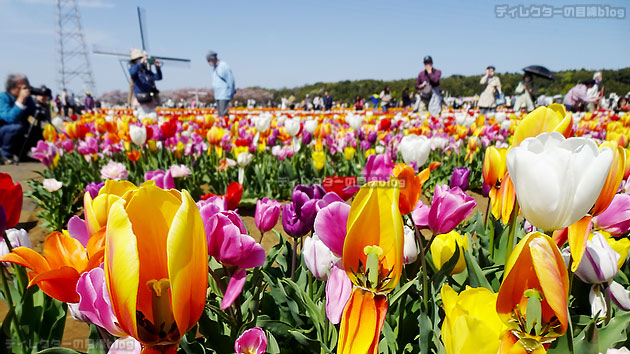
x=72 y=55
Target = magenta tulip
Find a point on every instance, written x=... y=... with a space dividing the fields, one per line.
x=162 y=179
x=338 y=290
x=378 y=168
x=616 y=218
x=267 y=214
x=450 y=206
x=252 y=341
x=94 y=303
x=330 y=226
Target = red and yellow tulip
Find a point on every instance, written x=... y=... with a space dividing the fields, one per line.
x=535 y=272
x=373 y=259
x=156 y=267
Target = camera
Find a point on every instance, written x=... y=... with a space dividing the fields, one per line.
x=41 y=91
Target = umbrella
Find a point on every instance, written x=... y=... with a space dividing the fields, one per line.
x=538 y=70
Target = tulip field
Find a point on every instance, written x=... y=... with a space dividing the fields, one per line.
x=375 y=240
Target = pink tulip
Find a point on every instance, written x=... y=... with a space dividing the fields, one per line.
x=94 y=303
x=378 y=168
x=338 y=290
x=616 y=218
x=450 y=206
x=420 y=215
x=327 y=199
x=267 y=214
x=252 y=341
x=78 y=230
x=330 y=226
x=228 y=244
x=162 y=179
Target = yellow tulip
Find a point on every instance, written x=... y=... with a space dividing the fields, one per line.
x=49 y=133
x=471 y=324
x=544 y=119
x=319 y=159
x=156 y=265
x=96 y=210
x=443 y=248
x=372 y=258
x=348 y=152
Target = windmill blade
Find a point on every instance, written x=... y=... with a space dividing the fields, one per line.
x=144 y=36
x=110 y=53
x=179 y=60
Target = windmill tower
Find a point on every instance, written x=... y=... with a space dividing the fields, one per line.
x=73 y=62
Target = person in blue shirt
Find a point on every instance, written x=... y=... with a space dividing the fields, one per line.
x=144 y=79
x=16 y=105
x=222 y=83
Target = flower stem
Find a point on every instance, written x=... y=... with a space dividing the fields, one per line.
x=512 y=231
x=293 y=257
x=425 y=278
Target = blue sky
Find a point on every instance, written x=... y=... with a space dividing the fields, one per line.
x=276 y=43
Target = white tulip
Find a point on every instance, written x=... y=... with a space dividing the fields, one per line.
x=138 y=134
x=244 y=158
x=354 y=121
x=18 y=238
x=310 y=126
x=499 y=117
x=318 y=257
x=415 y=148
x=292 y=126
x=557 y=180
x=410 y=249
x=57 y=122
x=52 y=185
x=262 y=122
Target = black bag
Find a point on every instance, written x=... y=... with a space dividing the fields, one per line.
x=144 y=97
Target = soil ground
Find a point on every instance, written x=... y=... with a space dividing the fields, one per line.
x=76 y=332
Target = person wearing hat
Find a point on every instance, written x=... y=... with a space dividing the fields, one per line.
x=144 y=79
x=493 y=87
x=428 y=84
x=89 y=101
x=222 y=83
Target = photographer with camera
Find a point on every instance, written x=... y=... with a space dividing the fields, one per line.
x=145 y=92
x=16 y=105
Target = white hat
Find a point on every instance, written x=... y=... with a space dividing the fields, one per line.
x=137 y=53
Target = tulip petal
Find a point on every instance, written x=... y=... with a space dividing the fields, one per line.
x=619 y=295
x=28 y=258
x=577 y=235
x=122 y=267
x=58 y=283
x=187 y=264
x=78 y=230
x=338 y=290
x=128 y=345
x=330 y=226
x=234 y=288
x=62 y=250
x=361 y=323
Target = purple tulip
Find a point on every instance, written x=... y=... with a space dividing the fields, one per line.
x=378 y=168
x=299 y=215
x=372 y=136
x=306 y=137
x=162 y=179
x=94 y=304
x=44 y=152
x=291 y=222
x=460 y=178
x=365 y=145
x=338 y=291
x=485 y=190
x=450 y=206
x=252 y=341
x=229 y=244
x=93 y=188
x=616 y=218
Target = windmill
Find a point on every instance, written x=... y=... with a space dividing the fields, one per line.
x=123 y=57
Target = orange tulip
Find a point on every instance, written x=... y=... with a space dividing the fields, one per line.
x=49 y=133
x=503 y=200
x=156 y=265
x=535 y=272
x=494 y=165
x=410 y=187
x=544 y=119
x=615 y=176
x=372 y=258
x=58 y=270
x=134 y=155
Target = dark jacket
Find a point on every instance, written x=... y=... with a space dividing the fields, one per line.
x=433 y=78
x=144 y=79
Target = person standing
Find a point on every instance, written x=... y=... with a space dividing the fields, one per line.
x=596 y=90
x=405 y=99
x=16 y=105
x=222 y=83
x=328 y=101
x=493 y=87
x=525 y=91
x=428 y=84
x=144 y=79
x=386 y=98
x=89 y=101
x=358 y=103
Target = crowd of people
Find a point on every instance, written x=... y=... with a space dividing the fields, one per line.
x=24 y=110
